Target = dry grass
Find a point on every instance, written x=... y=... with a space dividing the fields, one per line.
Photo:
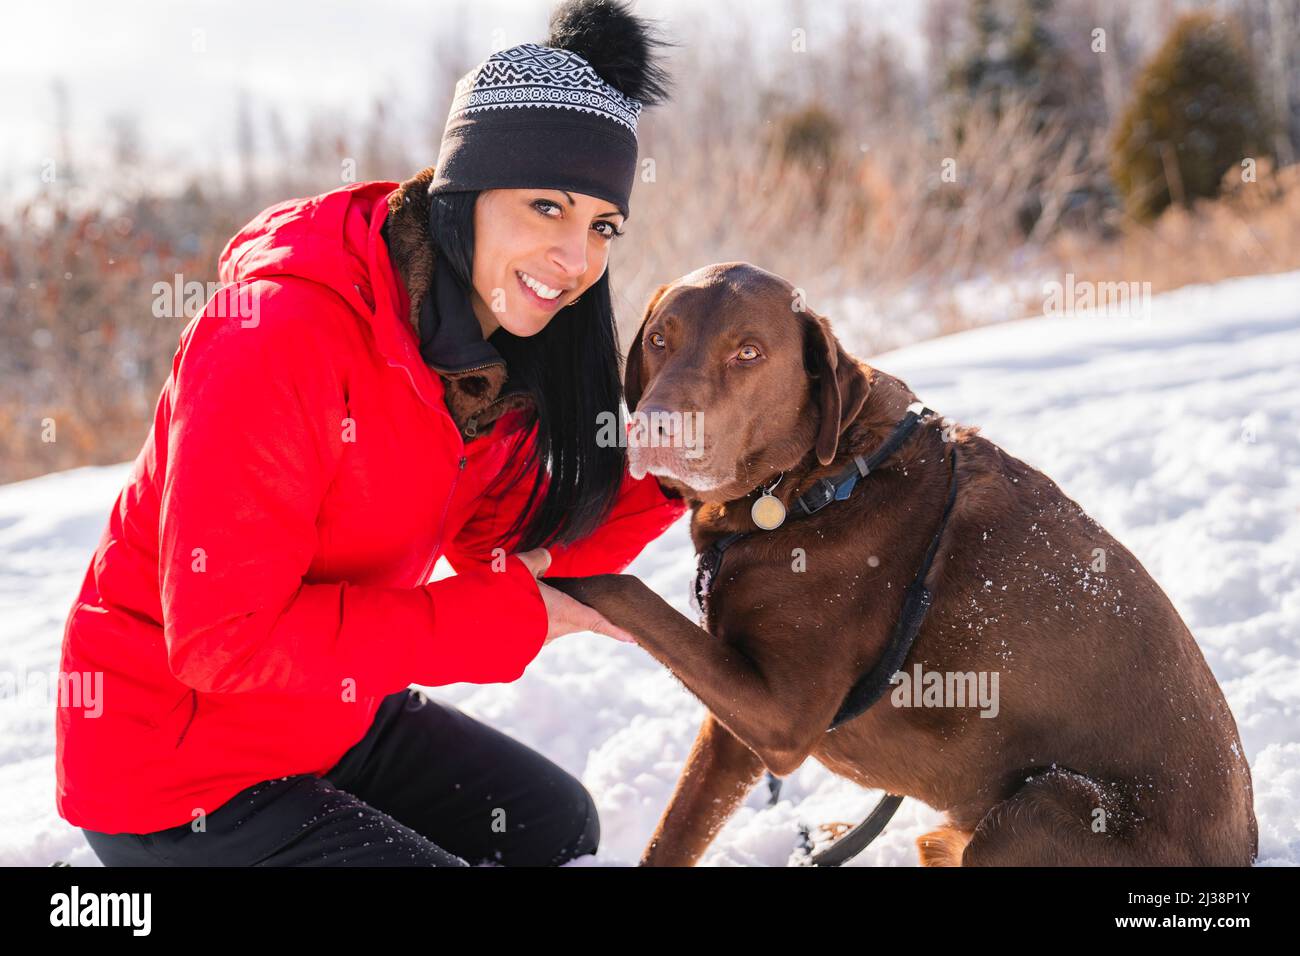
x=876 y=221
x=1252 y=228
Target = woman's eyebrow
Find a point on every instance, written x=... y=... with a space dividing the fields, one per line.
x=599 y=215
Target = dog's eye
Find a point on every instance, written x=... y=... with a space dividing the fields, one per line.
x=656 y=339
x=748 y=353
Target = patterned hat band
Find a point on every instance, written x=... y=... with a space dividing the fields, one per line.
x=540 y=117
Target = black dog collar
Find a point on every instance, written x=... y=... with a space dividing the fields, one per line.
x=822 y=493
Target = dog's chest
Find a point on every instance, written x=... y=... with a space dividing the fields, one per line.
x=770 y=593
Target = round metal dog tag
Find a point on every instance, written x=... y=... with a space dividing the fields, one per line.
x=768 y=512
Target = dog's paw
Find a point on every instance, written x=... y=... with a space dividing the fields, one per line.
x=942 y=847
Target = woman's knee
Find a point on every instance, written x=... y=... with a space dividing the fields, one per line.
x=588 y=840
x=562 y=825
x=581 y=827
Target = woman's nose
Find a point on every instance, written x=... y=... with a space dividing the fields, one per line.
x=570 y=255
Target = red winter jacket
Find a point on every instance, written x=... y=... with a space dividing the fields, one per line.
x=261 y=582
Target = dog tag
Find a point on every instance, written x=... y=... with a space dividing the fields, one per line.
x=767 y=511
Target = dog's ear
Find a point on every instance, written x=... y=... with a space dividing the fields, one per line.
x=632 y=384
x=840 y=386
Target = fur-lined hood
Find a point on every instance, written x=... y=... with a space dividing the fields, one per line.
x=475 y=398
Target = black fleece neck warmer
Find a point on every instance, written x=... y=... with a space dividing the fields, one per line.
x=451 y=339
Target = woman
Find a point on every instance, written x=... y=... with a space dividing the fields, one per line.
x=383 y=378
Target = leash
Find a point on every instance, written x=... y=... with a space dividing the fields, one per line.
x=768 y=513
x=857 y=839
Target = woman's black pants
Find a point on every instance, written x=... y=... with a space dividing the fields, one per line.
x=427 y=786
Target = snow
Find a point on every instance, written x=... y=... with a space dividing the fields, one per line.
x=922 y=310
x=1178 y=431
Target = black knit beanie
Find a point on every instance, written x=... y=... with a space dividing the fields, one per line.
x=557 y=116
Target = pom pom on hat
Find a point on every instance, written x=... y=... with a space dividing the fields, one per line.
x=618 y=45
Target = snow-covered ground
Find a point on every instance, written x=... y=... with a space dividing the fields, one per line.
x=1179 y=432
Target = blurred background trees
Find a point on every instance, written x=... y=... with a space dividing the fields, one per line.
x=1196 y=113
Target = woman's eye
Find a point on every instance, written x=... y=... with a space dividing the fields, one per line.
x=748 y=353
x=656 y=340
x=545 y=205
x=611 y=231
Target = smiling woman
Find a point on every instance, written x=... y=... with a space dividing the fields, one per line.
x=537 y=251
x=259 y=602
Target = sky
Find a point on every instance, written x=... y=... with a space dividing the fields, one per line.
x=180 y=66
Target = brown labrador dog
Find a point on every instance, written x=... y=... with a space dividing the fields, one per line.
x=1110 y=742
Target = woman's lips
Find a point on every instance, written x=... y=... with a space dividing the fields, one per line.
x=548 y=305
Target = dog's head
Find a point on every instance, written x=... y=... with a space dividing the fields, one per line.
x=732 y=380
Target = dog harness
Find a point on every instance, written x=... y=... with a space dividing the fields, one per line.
x=871 y=686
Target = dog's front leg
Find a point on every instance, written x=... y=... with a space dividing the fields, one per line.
x=719 y=771
x=727 y=682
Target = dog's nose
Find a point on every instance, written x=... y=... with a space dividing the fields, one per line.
x=662 y=424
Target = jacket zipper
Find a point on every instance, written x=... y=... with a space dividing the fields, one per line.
x=472 y=428
x=462 y=371
x=428 y=566
x=194 y=710
x=470 y=432
x=471 y=423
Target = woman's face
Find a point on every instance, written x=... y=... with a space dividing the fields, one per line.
x=535 y=251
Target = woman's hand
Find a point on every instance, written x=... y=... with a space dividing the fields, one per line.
x=538 y=560
x=564 y=614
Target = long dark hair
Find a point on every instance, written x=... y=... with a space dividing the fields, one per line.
x=571 y=369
